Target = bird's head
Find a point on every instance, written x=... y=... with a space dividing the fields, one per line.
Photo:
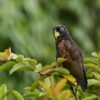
x=59 y=31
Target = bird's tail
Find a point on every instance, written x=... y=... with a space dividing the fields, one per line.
x=83 y=82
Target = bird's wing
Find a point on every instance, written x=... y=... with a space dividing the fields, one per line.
x=76 y=64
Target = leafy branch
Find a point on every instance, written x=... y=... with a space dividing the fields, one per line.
x=54 y=81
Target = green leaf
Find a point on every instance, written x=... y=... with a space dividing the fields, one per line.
x=46 y=67
x=3 y=92
x=28 y=88
x=54 y=64
x=17 y=95
x=32 y=62
x=21 y=66
x=50 y=66
x=93 y=82
x=96 y=75
x=92 y=97
x=7 y=65
x=61 y=60
x=93 y=67
x=90 y=60
x=38 y=68
x=20 y=58
x=34 y=94
x=61 y=71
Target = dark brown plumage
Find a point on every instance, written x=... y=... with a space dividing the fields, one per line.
x=66 y=48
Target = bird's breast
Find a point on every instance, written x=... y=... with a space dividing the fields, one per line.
x=63 y=50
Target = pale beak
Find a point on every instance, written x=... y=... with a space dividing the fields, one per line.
x=57 y=34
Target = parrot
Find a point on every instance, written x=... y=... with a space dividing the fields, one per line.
x=67 y=48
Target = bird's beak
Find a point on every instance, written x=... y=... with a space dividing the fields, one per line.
x=57 y=34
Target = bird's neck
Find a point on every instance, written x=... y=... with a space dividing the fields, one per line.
x=64 y=37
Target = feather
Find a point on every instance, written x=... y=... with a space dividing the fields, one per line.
x=67 y=48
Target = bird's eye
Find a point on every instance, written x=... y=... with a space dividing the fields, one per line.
x=61 y=29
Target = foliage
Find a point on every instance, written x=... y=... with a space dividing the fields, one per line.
x=53 y=81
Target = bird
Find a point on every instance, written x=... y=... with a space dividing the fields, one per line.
x=67 y=48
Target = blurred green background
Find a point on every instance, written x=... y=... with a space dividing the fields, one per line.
x=26 y=27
